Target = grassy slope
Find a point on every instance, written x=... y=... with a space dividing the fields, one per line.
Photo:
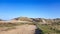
x=49 y=29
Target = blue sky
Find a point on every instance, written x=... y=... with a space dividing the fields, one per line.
x=29 y=8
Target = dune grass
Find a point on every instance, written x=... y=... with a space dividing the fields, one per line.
x=49 y=29
x=13 y=24
x=9 y=26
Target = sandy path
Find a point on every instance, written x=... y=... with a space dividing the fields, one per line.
x=23 y=29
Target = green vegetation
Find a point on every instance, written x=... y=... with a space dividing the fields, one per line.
x=49 y=29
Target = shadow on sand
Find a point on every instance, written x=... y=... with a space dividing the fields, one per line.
x=38 y=31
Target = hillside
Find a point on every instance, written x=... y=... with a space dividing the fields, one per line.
x=39 y=20
x=25 y=25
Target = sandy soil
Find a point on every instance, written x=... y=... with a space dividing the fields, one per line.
x=22 y=29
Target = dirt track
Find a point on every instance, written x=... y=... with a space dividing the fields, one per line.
x=22 y=29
